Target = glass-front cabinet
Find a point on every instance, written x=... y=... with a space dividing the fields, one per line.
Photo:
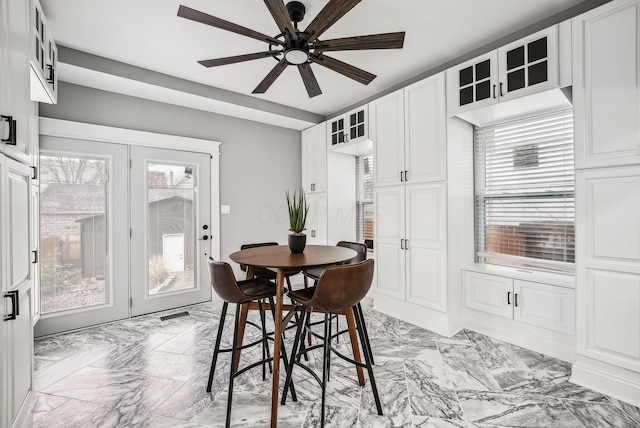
x=43 y=58
x=351 y=127
x=520 y=68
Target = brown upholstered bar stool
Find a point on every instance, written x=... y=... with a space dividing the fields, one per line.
x=241 y=293
x=361 y=256
x=339 y=289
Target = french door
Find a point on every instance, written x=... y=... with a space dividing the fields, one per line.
x=170 y=229
x=124 y=231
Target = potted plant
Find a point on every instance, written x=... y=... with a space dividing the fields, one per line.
x=298 y=210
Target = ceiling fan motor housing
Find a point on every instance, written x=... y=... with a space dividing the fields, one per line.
x=296 y=11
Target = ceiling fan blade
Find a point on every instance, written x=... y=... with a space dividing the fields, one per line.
x=345 y=69
x=281 y=16
x=329 y=15
x=238 y=58
x=271 y=77
x=371 y=41
x=309 y=79
x=195 y=15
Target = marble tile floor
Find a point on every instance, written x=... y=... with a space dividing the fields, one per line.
x=145 y=372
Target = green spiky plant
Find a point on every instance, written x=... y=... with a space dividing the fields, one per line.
x=298 y=210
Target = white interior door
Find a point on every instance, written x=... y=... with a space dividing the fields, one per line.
x=84 y=249
x=170 y=228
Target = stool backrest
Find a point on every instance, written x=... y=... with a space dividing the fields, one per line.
x=341 y=287
x=358 y=247
x=224 y=282
x=259 y=244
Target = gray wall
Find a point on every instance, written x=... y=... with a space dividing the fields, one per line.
x=257 y=162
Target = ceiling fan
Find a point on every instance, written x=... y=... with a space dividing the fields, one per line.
x=300 y=48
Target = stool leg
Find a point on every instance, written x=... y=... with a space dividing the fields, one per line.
x=325 y=362
x=368 y=362
x=283 y=353
x=265 y=344
x=234 y=361
x=358 y=312
x=298 y=344
x=216 y=348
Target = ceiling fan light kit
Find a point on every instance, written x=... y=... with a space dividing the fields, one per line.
x=300 y=48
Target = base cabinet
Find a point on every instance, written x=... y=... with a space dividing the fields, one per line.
x=541 y=305
x=317 y=219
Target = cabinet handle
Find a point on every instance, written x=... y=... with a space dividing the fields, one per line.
x=402 y=244
x=12 y=137
x=52 y=74
x=313 y=233
x=35 y=256
x=401 y=176
x=406 y=175
x=35 y=172
x=501 y=94
x=515 y=299
x=494 y=92
x=312 y=187
x=508 y=297
x=406 y=244
x=15 y=305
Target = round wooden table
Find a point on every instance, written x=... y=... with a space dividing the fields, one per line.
x=279 y=257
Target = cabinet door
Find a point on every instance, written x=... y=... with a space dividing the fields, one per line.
x=489 y=293
x=387 y=133
x=18 y=101
x=308 y=160
x=425 y=130
x=472 y=84
x=52 y=67
x=529 y=65
x=426 y=230
x=320 y=157
x=17 y=333
x=358 y=125
x=317 y=219
x=336 y=132
x=389 y=232
x=606 y=76
x=544 y=306
x=608 y=265
x=35 y=251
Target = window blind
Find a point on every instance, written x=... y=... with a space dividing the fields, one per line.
x=364 y=200
x=525 y=207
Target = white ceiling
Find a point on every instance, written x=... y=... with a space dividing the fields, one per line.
x=148 y=34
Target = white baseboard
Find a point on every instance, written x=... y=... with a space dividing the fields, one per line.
x=610 y=380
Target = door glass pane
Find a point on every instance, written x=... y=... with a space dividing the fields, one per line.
x=170 y=227
x=72 y=232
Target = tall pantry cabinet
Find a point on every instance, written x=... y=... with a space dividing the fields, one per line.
x=18 y=155
x=607 y=137
x=408 y=129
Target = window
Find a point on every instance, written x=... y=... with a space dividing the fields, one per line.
x=364 y=200
x=525 y=192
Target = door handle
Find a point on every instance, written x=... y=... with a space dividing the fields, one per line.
x=15 y=305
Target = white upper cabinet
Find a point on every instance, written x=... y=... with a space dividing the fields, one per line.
x=349 y=128
x=408 y=128
x=387 y=133
x=606 y=76
x=314 y=159
x=425 y=130
x=43 y=58
x=527 y=66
